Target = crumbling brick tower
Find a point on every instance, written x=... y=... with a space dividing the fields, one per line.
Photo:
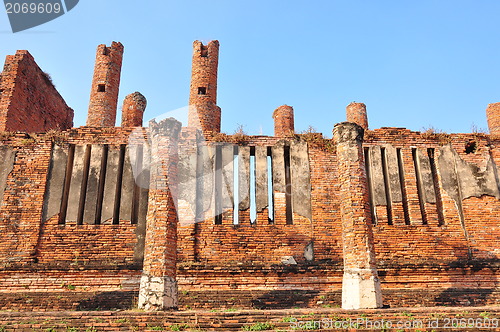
x=493 y=117
x=356 y=113
x=133 y=109
x=283 y=121
x=204 y=113
x=105 y=86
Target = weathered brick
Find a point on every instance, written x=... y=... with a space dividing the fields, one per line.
x=29 y=102
x=105 y=86
x=204 y=113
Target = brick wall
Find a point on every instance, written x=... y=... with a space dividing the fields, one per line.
x=407 y=249
x=28 y=239
x=256 y=213
x=434 y=232
x=457 y=251
x=29 y=102
x=405 y=238
x=330 y=319
x=259 y=237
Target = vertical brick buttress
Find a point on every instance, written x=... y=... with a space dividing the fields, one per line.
x=283 y=121
x=105 y=86
x=204 y=113
x=360 y=284
x=158 y=288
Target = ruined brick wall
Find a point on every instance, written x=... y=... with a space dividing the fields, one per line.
x=408 y=250
x=243 y=224
x=252 y=251
x=38 y=230
x=419 y=233
x=23 y=186
x=401 y=233
x=47 y=247
x=440 y=213
x=204 y=113
x=29 y=102
x=105 y=86
x=255 y=212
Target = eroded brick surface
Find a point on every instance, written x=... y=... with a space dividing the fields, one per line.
x=133 y=109
x=29 y=102
x=422 y=208
x=204 y=113
x=105 y=86
x=283 y=121
x=356 y=112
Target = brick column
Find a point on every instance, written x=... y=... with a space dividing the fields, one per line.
x=360 y=284
x=158 y=289
x=105 y=86
x=133 y=109
x=203 y=112
x=493 y=117
x=356 y=112
x=283 y=121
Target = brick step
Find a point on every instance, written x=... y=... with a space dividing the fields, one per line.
x=286 y=299
x=228 y=300
x=258 y=299
x=67 y=300
x=279 y=320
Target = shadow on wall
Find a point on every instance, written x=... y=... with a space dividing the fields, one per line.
x=285 y=299
x=474 y=282
x=459 y=282
x=109 y=301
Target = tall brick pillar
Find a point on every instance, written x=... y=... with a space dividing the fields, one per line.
x=356 y=112
x=158 y=288
x=360 y=284
x=105 y=86
x=493 y=117
x=133 y=109
x=283 y=121
x=204 y=113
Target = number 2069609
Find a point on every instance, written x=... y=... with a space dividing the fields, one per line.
x=33 y=8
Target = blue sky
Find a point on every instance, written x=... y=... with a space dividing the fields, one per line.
x=416 y=64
